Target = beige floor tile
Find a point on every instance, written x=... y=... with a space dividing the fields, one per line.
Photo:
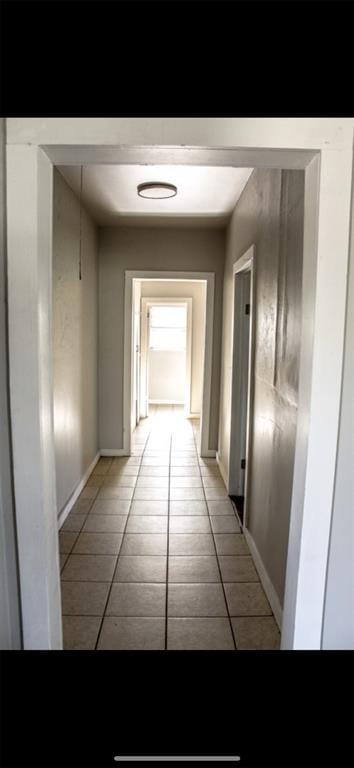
x=98 y=544
x=108 y=492
x=105 y=524
x=221 y=508
x=246 y=600
x=196 y=600
x=95 y=480
x=119 y=481
x=149 y=508
x=89 y=568
x=231 y=544
x=256 y=634
x=191 y=544
x=193 y=634
x=80 y=598
x=186 y=494
x=66 y=541
x=141 y=568
x=110 y=507
x=82 y=506
x=185 y=472
x=132 y=634
x=151 y=494
x=154 y=472
x=216 y=494
x=189 y=524
x=213 y=482
x=137 y=600
x=186 y=482
x=144 y=544
x=147 y=524
x=198 y=569
x=73 y=522
x=188 y=508
x=100 y=470
x=63 y=558
x=209 y=471
x=123 y=472
x=235 y=568
x=89 y=492
x=80 y=632
x=224 y=524
x=152 y=482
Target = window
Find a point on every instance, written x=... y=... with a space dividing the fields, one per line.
x=168 y=328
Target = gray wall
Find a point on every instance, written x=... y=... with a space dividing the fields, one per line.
x=10 y=633
x=269 y=214
x=338 y=624
x=75 y=324
x=148 y=249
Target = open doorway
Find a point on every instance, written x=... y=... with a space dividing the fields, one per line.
x=166 y=352
x=170 y=346
x=241 y=380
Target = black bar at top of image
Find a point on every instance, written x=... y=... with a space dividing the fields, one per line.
x=206 y=58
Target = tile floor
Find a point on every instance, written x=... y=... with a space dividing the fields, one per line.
x=152 y=554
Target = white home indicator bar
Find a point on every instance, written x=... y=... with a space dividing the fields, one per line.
x=177 y=758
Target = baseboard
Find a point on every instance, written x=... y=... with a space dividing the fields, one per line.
x=265 y=580
x=221 y=468
x=209 y=454
x=113 y=452
x=74 y=496
x=166 y=402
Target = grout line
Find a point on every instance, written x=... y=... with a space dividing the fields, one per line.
x=168 y=540
x=217 y=560
x=117 y=561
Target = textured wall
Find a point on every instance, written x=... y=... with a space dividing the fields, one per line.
x=148 y=249
x=75 y=320
x=269 y=215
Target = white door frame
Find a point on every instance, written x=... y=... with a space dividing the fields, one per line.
x=324 y=148
x=146 y=302
x=209 y=279
x=244 y=264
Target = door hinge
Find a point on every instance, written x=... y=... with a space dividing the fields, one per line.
x=243 y=463
x=247 y=309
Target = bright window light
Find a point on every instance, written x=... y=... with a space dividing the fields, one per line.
x=168 y=326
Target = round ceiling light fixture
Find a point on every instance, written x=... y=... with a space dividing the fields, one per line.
x=156 y=190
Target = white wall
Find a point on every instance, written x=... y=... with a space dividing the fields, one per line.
x=10 y=634
x=269 y=215
x=197 y=292
x=148 y=249
x=75 y=320
x=338 y=623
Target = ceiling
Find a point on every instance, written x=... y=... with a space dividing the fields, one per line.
x=205 y=195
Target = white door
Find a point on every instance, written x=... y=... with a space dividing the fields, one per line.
x=167 y=354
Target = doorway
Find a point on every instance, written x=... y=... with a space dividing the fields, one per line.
x=166 y=352
x=176 y=322
x=241 y=380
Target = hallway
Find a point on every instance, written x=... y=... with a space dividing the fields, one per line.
x=152 y=554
